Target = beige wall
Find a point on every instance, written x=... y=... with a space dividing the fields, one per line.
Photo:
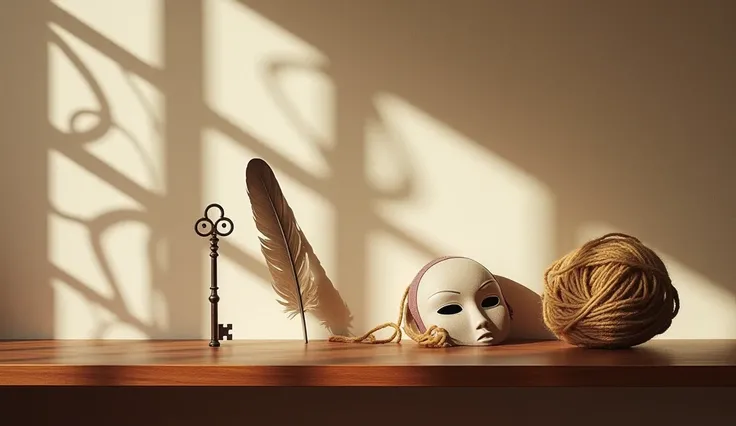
x=399 y=130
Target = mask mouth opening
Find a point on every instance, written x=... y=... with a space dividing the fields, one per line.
x=486 y=336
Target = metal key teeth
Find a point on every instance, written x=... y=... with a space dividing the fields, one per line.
x=225 y=331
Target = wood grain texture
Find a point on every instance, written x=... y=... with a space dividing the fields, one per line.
x=292 y=363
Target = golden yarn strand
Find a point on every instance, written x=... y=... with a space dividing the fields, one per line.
x=612 y=292
x=434 y=337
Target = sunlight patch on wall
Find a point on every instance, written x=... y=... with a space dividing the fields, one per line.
x=270 y=84
x=105 y=167
x=106 y=260
x=706 y=310
x=247 y=279
x=464 y=200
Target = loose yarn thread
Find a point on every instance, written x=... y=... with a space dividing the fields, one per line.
x=613 y=292
x=433 y=337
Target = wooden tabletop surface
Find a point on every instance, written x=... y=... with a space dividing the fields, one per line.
x=320 y=363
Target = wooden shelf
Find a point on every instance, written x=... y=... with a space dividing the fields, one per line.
x=678 y=363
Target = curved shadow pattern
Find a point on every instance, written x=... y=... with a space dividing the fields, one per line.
x=104 y=114
x=99 y=225
x=137 y=146
x=116 y=305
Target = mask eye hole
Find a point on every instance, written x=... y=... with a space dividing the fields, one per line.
x=450 y=309
x=490 y=302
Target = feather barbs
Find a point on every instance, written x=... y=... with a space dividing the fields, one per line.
x=281 y=242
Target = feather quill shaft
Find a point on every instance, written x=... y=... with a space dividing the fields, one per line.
x=282 y=242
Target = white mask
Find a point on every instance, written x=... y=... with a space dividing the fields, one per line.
x=463 y=297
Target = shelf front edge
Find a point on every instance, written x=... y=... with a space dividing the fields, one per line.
x=368 y=375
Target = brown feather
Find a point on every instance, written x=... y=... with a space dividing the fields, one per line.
x=282 y=242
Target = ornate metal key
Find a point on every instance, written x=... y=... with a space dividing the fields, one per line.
x=215 y=227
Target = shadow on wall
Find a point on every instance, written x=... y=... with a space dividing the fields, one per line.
x=171 y=253
x=624 y=109
x=31 y=146
x=527 y=305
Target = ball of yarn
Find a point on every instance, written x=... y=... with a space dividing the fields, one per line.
x=613 y=292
